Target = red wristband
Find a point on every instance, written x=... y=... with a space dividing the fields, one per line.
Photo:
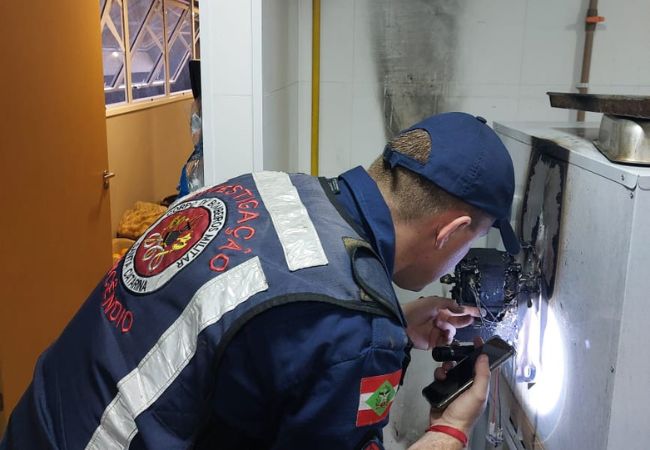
x=451 y=431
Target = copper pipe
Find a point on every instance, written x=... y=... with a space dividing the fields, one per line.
x=590 y=28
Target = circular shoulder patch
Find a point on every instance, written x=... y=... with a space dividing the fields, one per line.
x=171 y=243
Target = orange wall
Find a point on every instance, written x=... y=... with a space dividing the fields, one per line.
x=146 y=150
x=54 y=223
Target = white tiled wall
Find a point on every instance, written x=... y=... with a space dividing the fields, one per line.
x=508 y=55
x=256 y=72
x=279 y=70
x=230 y=76
x=286 y=56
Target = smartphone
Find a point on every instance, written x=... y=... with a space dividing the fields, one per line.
x=460 y=378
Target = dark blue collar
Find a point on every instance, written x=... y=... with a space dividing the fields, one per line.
x=362 y=199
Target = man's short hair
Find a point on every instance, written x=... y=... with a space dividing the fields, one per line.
x=409 y=195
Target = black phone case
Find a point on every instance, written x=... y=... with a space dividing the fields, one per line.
x=431 y=391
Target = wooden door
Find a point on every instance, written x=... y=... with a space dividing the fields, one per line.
x=54 y=211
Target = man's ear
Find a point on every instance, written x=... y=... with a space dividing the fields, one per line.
x=449 y=227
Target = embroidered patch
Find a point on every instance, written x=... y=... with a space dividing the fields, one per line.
x=376 y=394
x=171 y=243
x=116 y=313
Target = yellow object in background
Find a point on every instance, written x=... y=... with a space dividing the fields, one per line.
x=120 y=247
x=136 y=220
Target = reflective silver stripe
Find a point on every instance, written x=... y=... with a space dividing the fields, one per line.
x=300 y=243
x=173 y=351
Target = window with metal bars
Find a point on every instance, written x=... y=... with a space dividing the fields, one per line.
x=147 y=59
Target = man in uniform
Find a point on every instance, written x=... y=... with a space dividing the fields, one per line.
x=260 y=313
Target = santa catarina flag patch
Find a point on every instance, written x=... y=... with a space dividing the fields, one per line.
x=376 y=394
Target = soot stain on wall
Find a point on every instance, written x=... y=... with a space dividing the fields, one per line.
x=414 y=44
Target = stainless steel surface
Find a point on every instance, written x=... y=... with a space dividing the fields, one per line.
x=621 y=105
x=578 y=137
x=624 y=140
x=592 y=363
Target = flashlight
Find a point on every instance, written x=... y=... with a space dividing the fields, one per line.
x=451 y=352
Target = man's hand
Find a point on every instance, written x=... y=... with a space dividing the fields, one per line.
x=432 y=321
x=463 y=412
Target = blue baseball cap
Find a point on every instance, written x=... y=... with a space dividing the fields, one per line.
x=469 y=161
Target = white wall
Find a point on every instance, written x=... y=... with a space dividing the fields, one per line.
x=256 y=71
x=508 y=54
x=279 y=75
x=351 y=127
x=231 y=74
x=286 y=69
